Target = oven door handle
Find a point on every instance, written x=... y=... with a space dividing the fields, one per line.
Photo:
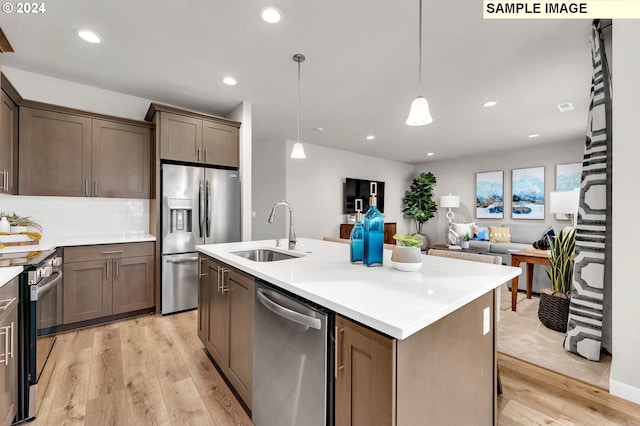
x=50 y=284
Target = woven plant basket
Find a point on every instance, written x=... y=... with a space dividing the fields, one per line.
x=553 y=311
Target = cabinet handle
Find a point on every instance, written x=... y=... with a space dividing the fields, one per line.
x=198 y=154
x=205 y=155
x=95 y=188
x=7 y=179
x=11 y=339
x=338 y=352
x=86 y=187
x=4 y=177
x=221 y=288
x=117 y=268
x=112 y=252
x=106 y=268
x=5 y=355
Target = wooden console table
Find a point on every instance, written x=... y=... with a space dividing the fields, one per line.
x=530 y=258
x=389 y=231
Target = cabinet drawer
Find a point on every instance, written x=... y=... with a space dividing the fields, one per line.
x=107 y=251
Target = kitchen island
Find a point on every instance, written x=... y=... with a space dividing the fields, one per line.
x=413 y=347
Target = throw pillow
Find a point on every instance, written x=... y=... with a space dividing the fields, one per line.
x=482 y=233
x=500 y=234
x=459 y=229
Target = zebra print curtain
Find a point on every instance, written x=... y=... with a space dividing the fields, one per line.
x=589 y=314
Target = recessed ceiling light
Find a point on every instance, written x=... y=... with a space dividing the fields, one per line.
x=89 y=36
x=271 y=14
x=534 y=135
x=370 y=137
x=489 y=104
x=429 y=154
x=567 y=106
x=229 y=81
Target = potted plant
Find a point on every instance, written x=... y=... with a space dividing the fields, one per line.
x=406 y=255
x=464 y=240
x=418 y=203
x=21 y=223
x=553 y=311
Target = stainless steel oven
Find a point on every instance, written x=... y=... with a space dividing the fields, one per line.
x=39 y=314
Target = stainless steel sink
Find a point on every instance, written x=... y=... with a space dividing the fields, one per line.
x=265 y=255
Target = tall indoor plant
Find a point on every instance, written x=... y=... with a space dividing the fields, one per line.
x=418 y=203
x=553 y=311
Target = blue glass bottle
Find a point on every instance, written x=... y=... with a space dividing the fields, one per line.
x=357 y=235
x=373 y=232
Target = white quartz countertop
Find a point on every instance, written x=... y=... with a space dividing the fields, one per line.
x=8 y=273
x=393 y=302
x=52 y=243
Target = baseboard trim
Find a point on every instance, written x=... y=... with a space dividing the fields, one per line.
x=624 y=391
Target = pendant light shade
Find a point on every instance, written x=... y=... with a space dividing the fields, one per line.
x=298 y=149
x=419 y=114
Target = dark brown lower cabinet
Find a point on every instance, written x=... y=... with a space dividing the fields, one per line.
x=87 y=290
x=106 y=280
x=225 y=322
x=445 y=374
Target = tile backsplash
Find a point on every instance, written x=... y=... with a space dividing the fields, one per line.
x=75 y=216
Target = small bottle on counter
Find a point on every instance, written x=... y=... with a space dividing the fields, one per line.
x=357 y=235
x=373 y=231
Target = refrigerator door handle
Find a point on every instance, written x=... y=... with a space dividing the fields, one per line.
x=201 y=211
x=208 y=202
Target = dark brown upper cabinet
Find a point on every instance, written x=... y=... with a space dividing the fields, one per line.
x=192 y=137
x=63 y=153
x=8 y=144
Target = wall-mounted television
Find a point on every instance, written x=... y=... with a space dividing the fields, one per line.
x=359 y=188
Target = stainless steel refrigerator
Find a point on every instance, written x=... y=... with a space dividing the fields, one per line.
x=199 y=206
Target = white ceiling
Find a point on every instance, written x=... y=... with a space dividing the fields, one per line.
x=359 y=77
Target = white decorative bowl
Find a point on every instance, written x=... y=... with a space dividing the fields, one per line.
x=407 y=267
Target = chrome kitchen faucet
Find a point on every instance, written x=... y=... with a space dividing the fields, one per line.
x=292 y=235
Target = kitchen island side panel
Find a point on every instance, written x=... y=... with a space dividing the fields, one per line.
x=446 y=372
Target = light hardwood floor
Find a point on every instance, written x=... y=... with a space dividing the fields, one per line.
x=153 y=370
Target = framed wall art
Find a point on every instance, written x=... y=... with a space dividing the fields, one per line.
x=490 y=195
x=568 y=177
x=527 y=193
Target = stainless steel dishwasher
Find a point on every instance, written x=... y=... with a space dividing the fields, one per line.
x=292 y=359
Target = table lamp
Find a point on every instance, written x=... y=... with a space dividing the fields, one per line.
x=565 y=202
x=450 y=201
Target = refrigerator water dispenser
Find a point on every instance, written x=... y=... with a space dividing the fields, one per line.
x=180 y=211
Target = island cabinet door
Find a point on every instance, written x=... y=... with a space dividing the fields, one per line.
x=239 y=291
x=87 y=290
x=132 y=284
x=364 y=387
x=216 y=343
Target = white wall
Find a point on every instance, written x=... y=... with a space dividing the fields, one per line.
x=242 y=113
x=315 y=188
x=458 y=177
x=625 y=370
x=37 y=87
x=269 y=183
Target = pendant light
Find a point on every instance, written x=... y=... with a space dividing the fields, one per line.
x=298 y=150
x=419 y=114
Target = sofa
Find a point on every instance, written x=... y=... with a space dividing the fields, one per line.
x=519 y=236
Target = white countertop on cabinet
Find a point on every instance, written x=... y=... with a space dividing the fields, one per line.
x=393 y=302
x=8 y=273
x=52 y=243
